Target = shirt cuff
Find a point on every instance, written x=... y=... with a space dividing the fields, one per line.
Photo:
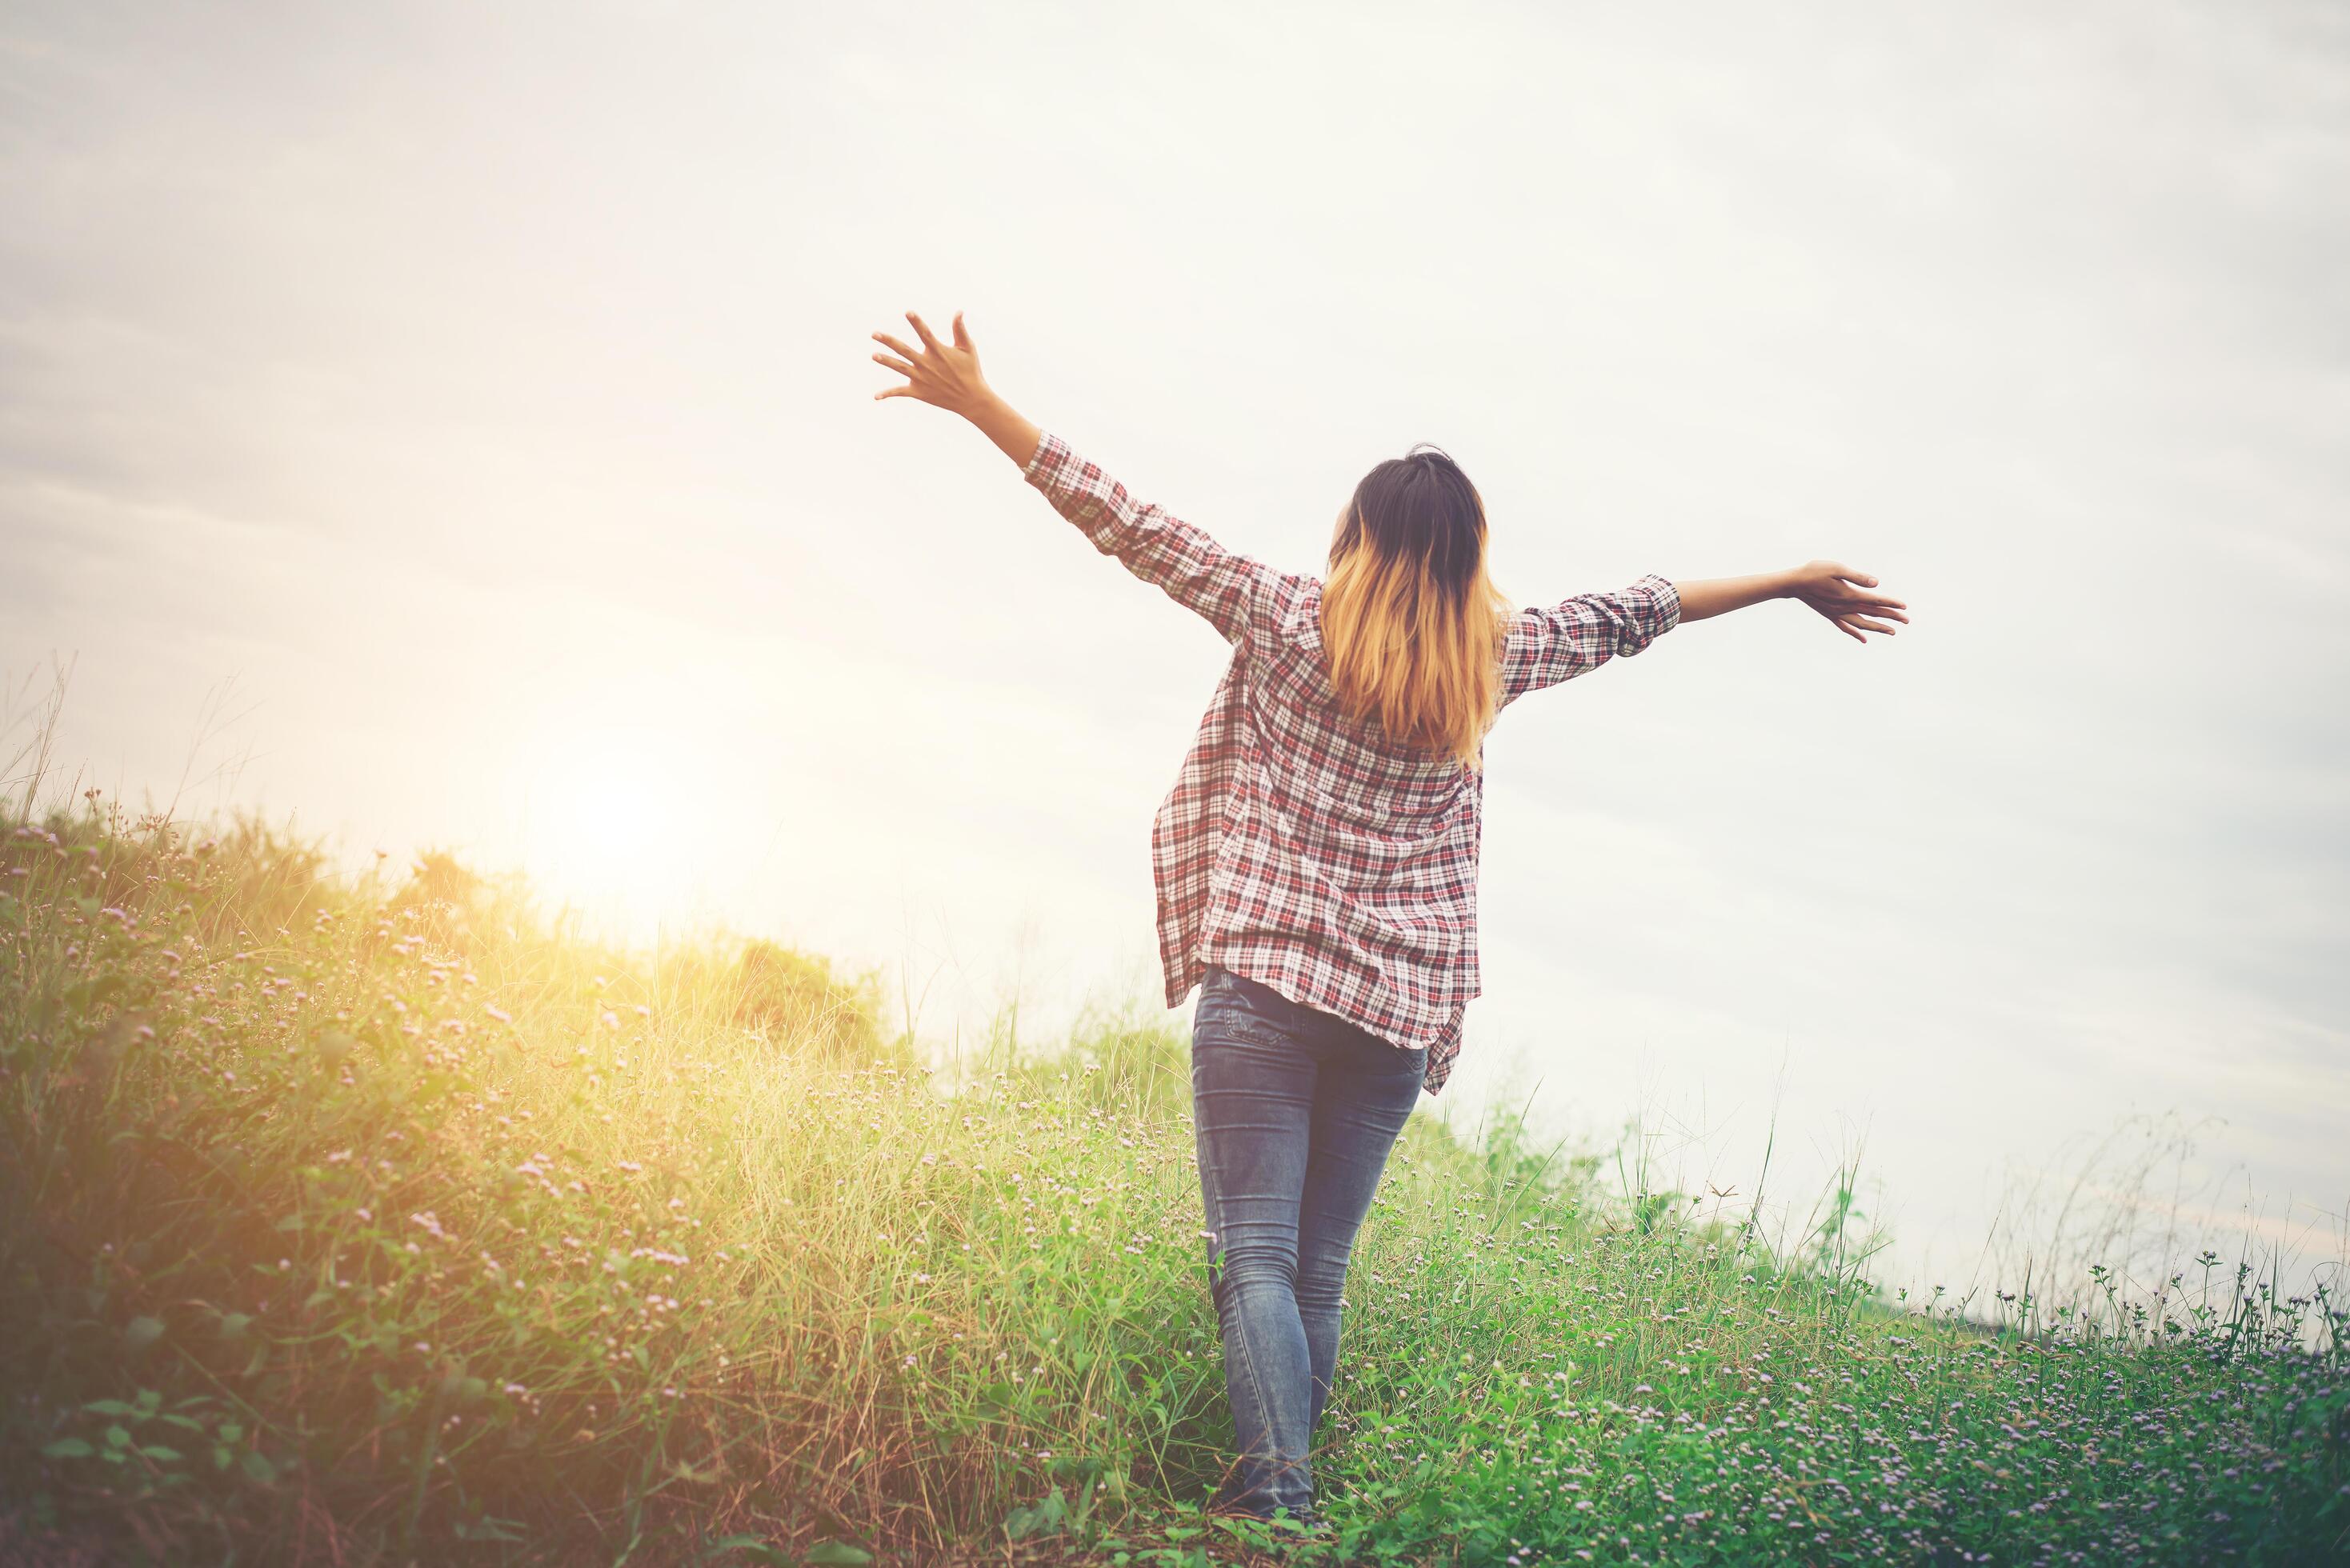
x=1667 y=601
x=1046 y=464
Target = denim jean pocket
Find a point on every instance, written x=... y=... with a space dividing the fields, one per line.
x=1234 y=1007
x=1384 y=1059
x=1407 y=1062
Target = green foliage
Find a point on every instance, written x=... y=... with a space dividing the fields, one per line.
x=1121 y=1061
x=388 y=1227
x=785 y=992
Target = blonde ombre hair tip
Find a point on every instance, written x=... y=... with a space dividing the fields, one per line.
x=1412 y=625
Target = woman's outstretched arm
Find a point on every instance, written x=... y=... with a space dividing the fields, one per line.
x=1157 y=546
x=1557 y=642
x=1845 y=597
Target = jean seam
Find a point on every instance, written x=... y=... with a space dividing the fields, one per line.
x=1274 y=1462
x=1221 y=1284
x=1256 y=1391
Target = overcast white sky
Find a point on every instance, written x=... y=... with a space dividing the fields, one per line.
x=481 y=392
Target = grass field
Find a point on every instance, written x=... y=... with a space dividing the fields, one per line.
x=383 y=1222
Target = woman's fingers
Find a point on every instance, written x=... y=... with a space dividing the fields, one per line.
x=924 y=332
x=962 y=338
x=910 y=353
x=1853 y=613
x=1848 y=602
x=906 y=391
x=894 y=363
x=1854 y=624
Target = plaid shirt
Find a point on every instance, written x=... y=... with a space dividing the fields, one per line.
x=1295 y=848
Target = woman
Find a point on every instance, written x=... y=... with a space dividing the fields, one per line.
x=1316 y=860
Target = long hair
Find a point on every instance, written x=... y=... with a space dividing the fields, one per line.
x=1412 y=625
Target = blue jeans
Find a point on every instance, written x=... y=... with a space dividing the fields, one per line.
x=1294 y=1112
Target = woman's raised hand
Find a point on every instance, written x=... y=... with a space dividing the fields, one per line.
x=1848 y=599
x=945 y=375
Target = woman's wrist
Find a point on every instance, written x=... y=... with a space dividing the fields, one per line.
x=1014 y=435
x=1705 y=598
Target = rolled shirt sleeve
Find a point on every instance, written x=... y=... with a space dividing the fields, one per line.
x=1152 y=543
x=1561 y=641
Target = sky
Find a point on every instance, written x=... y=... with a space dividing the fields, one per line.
x=452 y=426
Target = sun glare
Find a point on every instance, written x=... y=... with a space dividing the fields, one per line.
x=606 y=820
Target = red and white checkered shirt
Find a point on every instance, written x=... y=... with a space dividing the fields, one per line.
x=1296 y=847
